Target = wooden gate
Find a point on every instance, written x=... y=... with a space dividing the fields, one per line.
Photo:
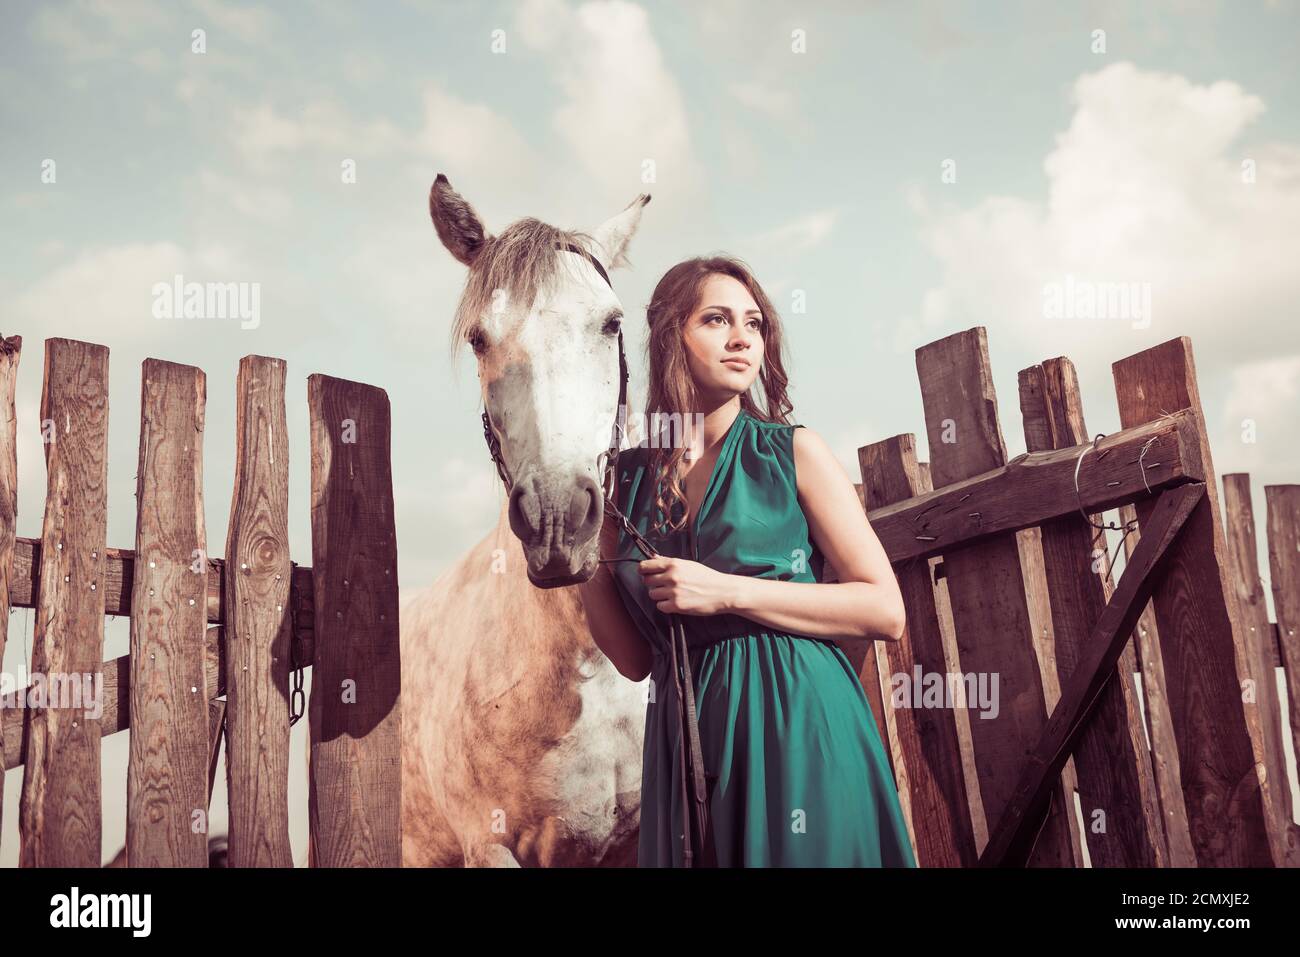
x=217 y=645
x=1009 y=590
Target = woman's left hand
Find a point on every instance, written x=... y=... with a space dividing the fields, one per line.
x=681 y=586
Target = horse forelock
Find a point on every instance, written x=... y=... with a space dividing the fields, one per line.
x=521 y=263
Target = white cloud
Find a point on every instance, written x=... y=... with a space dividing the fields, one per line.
x=251 y=25
x=1267 y=393
x=1144 y=186
x=151 y=60
x=763 y=98
x=622 y=104
x=362 y=68
x=89 y=30
x=263 y=135
x=461 y=135
x=268 y=204
x=802 y=233
x=744 y=156
x=105 y=293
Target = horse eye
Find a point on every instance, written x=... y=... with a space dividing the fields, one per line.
x=612 y=325
x=477 y=342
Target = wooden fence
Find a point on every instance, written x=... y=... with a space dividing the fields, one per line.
x=1008 y=586
x=1004 y=570
x=202 y=628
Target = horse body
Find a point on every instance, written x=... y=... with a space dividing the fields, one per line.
x=521 y=744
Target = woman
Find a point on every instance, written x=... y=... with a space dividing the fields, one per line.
x=797 y=772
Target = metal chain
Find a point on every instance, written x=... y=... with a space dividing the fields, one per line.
x=297 y=697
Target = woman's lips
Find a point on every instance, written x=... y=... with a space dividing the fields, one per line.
x=737 y=363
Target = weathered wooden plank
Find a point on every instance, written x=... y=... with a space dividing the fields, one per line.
x=1010 y=842
x=1121 y=813
x=987 y=588
x=1244 y=566
x=119 y=576
x=117 y=687
x=356 y=763
x=1177 y=839
x=10 y=352
x=166 y=771
x=1037 y=487
x=926 y=735
x=1220 y=744
x=257 y=622
x=60 y=811
x=943 y=609
x=1282 y=514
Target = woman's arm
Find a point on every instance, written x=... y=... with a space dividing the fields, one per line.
x=866 y=601
x=611 y=627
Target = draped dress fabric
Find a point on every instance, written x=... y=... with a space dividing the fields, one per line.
x=802 y=779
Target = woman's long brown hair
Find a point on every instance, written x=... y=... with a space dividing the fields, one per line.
x=671 y=389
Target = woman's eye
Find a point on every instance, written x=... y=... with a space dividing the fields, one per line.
x=717 y=315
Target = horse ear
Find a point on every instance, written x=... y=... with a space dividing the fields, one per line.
x=615 y=233
x=458 y=226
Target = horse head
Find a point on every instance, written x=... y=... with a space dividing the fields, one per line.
x=544 y=324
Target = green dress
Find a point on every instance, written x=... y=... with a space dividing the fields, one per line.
x=801 y=777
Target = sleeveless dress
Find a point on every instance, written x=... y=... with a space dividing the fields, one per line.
x=802 y=777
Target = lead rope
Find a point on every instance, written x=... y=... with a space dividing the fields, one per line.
x=696 y=824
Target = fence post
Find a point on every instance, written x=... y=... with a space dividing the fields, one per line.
x=166 y=779
x=1220 y=745
x=60 y=815
x=1260 y=640
x=1159 y=723
x=257 y=626
x=10 y=352
x=1282 y=504
x=356 y=759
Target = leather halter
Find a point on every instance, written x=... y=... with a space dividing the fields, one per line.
x=696 y=805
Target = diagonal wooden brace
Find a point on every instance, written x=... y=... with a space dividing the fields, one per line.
x=1011 y=842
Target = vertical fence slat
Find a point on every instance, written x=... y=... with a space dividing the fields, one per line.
x=166 y=779
x=355 y=777
x=927 y=737
x=10 y=352
x=1159 y=723
x=1220 y=753
x=60 y=810
x=943 y=608
x=1260 y=641
x=1282 y=508
x=1112 y=763
x=257 y=622
x=987 y=588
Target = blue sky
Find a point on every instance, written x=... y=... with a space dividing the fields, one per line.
x=822 y=169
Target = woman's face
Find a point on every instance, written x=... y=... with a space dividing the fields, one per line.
x=725 y=328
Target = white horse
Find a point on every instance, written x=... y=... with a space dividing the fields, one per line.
x=521 y=744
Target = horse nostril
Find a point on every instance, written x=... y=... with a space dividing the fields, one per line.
x=584 y=507
x=522 y=512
